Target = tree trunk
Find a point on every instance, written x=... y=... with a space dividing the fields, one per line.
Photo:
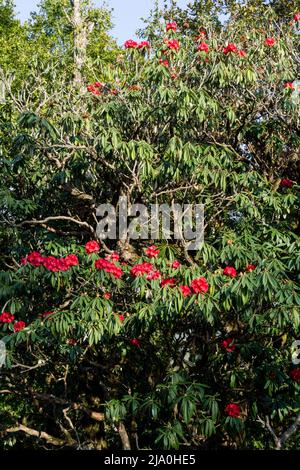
x=81 y=30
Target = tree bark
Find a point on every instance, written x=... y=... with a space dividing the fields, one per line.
x=81 y=28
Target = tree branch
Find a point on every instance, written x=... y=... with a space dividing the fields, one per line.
x=41 y=435
x=59 y=217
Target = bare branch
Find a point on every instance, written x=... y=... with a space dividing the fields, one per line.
x=41 y=435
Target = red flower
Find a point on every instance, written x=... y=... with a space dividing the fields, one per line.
x=18 y=326
x=90 y=88
x=227 y=345
x=203 y=47
x=168 y=282
x=241 y=53
x=230 y=271
x=199 y=285
x=165 y=62
x=289 y=86
x=114 y=256
x=250 y=267
x=297 y=16
x=51 y=263
x=62 y=264
x=286 y=183
x=144 y=44
x=6 y=317
x=172 y=44
x=231 y=47
x=152 y=251
x=92 y=247
x=172 y=25
x=176 y=264
x=233 y=410
x=136 y=342
x=295 y=375
x=107 y=295
x=130 y=44
x=121 y=317
x=143 y=268
x=270 y=42
x=107 y=266
x=35 y=258
x=98 y=84
x=186 y=291
x=153 y=275
x=71 y=260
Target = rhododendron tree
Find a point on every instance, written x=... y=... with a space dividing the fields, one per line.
x=145 y=343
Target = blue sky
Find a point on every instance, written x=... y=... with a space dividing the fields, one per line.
x=126 y=15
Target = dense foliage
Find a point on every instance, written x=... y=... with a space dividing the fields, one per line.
x=146 y=345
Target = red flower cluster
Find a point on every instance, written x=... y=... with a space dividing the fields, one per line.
x=50 y=262
x=176 y=264
x=107 y=266
x=92 y=247
x=203 y=47
x=199 y=285
x=172 y=44
x=164 y=62
x=63 y=264
x=34 y=258
x=295 y=375
x=153 y=275
x=95 y=88
x=152 y=251
x=186 y=291
x=233 y=410
x=6 y=317
x=144 y=44
x=227 y=345
x=107 y=295
x=270 y=42
x=297 y=16
x=121 y=317
x=136 y=342
x=231 y=47
x=171 y=26
x=168 y=282
x=230 y=271
x=286 y=183
x=114 y=256
x=130 y=44
x=142 y=268
x=250 y=267
x=289 y=86
x=19 y=326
